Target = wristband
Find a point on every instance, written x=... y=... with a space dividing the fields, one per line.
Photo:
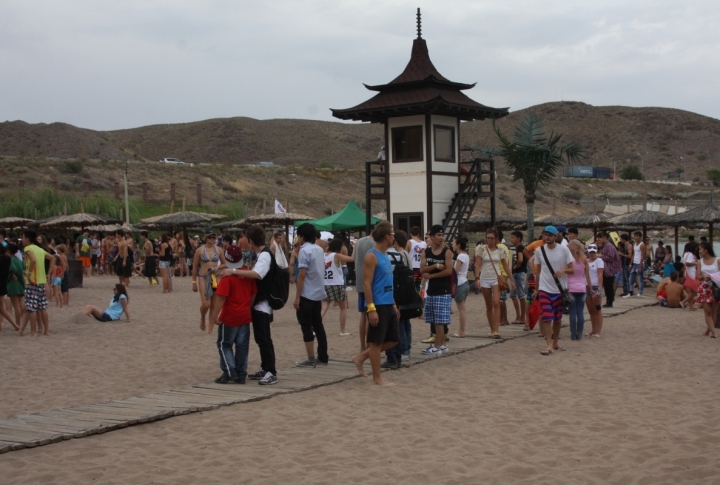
x=437 y=265
x=371 y=308
x=194 y=282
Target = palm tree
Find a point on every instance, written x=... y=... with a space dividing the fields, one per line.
x=534 y=157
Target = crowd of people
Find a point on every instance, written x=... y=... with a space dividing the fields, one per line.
x=238 y=279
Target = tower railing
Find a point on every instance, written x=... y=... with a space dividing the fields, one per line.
x=477 y=180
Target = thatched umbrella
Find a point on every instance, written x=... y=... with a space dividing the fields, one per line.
x=589 y=220
x=183 y=219
x=706 y=214
x=481 y=223
x=235 y=225
x=39 y=222
x=81 y=219
x=551 y=220
x=644 y=219
x=113 y=227
x=12 y=222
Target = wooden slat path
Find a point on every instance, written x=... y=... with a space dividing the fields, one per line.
x=31 y=430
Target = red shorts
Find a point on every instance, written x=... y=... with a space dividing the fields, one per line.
x=85 y=260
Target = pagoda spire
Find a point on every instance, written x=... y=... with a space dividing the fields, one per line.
x=419 y=24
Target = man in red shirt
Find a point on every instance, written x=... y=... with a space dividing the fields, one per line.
x=232 y=302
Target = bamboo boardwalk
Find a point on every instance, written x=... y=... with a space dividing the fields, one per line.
x=31 y=430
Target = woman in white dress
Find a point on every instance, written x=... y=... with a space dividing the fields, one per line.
x=488 y=259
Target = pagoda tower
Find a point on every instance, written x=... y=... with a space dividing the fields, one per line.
x=424 y=181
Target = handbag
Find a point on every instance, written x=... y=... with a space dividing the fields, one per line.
x=534 y=313
x=502 y=280
x=716 y=291
x=691 y=284
x=565 y=295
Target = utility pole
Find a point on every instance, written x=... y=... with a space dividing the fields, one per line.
x=127 y=204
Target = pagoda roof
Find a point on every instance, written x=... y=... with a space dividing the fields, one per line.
x=420 y=89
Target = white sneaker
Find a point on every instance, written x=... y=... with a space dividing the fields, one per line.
x=404 y=358
x=629 y=295
x=432 y=351
x=268 y=380
x=444 y=349
x=349 y=288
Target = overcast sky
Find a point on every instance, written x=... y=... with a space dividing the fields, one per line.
x=120 y=64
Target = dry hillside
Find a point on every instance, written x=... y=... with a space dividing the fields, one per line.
x=609 y=134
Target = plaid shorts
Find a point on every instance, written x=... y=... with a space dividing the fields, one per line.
x=437 y=309
x=551 y=307
x=335 y=293
x=35 y=298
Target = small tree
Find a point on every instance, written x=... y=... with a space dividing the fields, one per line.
x=714 y=176
x=631 y=172
x=533 y=157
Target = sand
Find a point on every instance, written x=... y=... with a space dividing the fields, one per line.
x=635 y=406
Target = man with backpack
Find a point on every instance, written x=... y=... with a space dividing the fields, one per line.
x=264 y=272
x=405 y=295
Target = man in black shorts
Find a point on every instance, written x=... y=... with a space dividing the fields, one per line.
x=382 y=314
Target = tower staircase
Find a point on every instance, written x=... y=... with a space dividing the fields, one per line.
x=377 y=187
x=477 y=180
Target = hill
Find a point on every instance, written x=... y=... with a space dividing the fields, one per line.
x=661 y=139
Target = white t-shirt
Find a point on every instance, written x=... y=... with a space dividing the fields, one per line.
x=490 y=268
x=464 y=266
x=594 y=267
x=416 y=251
x=262 y=266
x=564 y=243
x=559 y=258
x=689 y=258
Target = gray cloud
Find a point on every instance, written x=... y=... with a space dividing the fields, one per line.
x=108 y=65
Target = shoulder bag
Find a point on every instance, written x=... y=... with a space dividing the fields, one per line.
x=502 y=280
x=565 y=296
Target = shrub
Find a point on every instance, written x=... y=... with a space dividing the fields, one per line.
x=702 y=156
x=631 y=172
x=714 y=176
x=73 y=166
x=572 y=195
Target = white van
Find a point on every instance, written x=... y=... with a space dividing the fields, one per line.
x=172 y=161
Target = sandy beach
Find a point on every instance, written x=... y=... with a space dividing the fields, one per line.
x=633 y=407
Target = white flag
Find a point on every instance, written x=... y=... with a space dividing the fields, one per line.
x=279 y=209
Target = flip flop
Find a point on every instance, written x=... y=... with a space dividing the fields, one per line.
x=561 y=349
x=496 y=336
x=457 y=336
x=517 y=323
x=504 y=324
x=546 y=352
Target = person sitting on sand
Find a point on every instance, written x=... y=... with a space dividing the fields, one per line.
x=118 y=306
x=670 y=293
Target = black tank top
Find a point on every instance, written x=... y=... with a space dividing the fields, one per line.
x=437 y=286
x=167 y=256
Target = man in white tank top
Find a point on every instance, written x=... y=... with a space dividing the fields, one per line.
x=415 y=248
x=636 y=270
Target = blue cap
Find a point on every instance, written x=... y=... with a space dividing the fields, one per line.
x=551 y=230
x=562 y=229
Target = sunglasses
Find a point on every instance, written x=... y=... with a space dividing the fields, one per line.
x=210 y=237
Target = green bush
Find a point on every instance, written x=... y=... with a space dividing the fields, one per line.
x=73 y=166
x=714 y=176
x=631 y=172
x=702 y=156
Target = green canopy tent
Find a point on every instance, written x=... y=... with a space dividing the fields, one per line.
x=350 y=217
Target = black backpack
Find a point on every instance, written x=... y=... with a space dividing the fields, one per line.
x=403 y=283
x=275 y=287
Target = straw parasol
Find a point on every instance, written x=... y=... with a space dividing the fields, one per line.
x=234 y=225
x=550 y=220
x=644 y=219
x=82 y=219
x=281 y=218
x=183 y=219
x=12 y=222
x=588 y=220
x=113 y=227
x=481 y=223
x=706 y=214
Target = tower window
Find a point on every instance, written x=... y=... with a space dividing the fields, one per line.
x=407 y=144
x=444 y=144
